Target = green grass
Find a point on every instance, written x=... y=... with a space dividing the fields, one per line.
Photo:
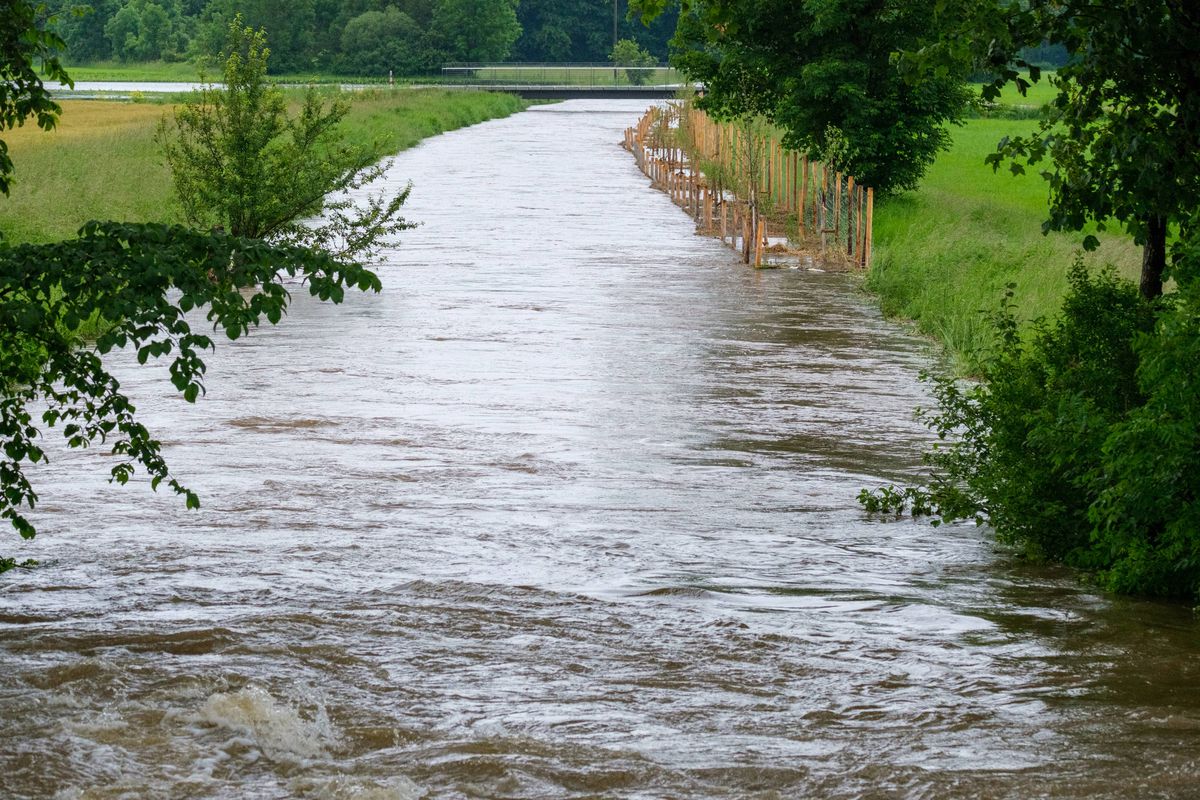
x=945 y=253
x=150 y=71
x=189 y=72
x=102 y=162
x=1036 y=96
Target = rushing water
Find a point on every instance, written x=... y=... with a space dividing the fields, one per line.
x=566 y=511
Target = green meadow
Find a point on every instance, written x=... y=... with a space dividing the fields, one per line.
x=946 y=252
x=102 y=162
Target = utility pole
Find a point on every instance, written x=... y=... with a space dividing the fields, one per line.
x=614 y=38
x=615 y=24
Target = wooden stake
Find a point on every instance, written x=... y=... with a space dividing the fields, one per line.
x=803 y=194
x=760 y=238
x=837 y=207
x=870 y=219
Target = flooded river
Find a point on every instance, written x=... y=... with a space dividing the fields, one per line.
x=567 y=511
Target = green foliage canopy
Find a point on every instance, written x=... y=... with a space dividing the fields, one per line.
x=475 y=30
x=1119 y=142
x=379 y=42
x=142 y=282
x=824 y=72
x=627 y=53
x=308 y=35
x=1081 y=443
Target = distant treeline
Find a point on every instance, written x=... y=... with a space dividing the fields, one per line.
x=360 y=37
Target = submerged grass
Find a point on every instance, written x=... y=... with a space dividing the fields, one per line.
x=101 y=162
x=945 y=253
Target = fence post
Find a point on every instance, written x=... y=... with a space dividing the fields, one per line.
x=837 y=209
x=870 y=220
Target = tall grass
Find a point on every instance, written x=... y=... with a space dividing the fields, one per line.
x=102 y=162
x=945 y=253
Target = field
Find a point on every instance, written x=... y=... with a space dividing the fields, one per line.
x=102 y=161
x=945 y=253
x=535 y=74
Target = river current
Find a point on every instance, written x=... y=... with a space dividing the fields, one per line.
x=567 y=511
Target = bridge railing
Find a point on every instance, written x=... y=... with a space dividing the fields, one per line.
x=559 y=74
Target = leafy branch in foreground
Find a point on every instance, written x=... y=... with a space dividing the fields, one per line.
x=146 y=277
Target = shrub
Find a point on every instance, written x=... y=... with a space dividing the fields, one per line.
x=1080 y=443
x=629 y=54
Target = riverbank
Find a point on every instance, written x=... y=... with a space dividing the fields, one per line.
x=944 y=254
x=189 y=72
x=101 y=162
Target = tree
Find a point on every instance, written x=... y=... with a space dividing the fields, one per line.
x=1119 y=142
x=241 y=163
x=1081 y=443
x=627 y=53
x=83 y=31
x=376 y=42
x=581 y=30
x=824 y=72
x=475 y=30
x=147 y=277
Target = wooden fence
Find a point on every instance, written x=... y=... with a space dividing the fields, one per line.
x=739 y=183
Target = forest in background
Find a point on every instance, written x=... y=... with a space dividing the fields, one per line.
x=356 y=37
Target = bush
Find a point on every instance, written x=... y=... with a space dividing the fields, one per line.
x=1146 y=535
x=629 y=54
x=1080 y=443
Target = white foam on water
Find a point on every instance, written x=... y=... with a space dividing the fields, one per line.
x=275 y=729
x=343 y=788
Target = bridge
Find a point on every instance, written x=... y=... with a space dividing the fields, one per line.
x=560 y=81
x=566 y=92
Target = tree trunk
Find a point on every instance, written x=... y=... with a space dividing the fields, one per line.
x=1154 y=257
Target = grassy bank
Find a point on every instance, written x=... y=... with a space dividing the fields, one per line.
x=102 y=162
x=160 y=71
x=150 y=71
x=188 y=72
x=945 y=252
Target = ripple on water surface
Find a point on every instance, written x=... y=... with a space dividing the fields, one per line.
x=566 y=511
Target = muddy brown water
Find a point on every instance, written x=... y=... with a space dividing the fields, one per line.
x=567 y=511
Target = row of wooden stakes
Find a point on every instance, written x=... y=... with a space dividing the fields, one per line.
x=755 y=187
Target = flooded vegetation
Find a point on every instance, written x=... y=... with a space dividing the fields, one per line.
x=566 y=511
